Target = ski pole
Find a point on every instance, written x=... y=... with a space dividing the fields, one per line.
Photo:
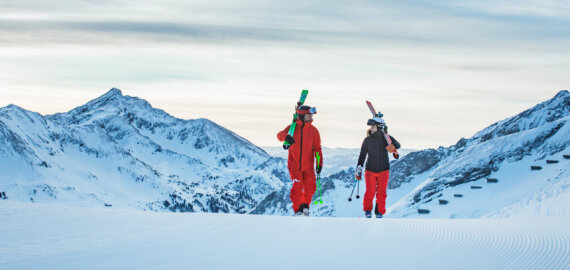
x=350 y=198
x=318 y=199
x=319 y=188
x=358 y=190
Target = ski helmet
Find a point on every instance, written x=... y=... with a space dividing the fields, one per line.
x=306 y=109
x=377 y=121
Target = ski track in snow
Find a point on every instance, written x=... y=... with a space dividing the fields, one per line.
x=55 y=236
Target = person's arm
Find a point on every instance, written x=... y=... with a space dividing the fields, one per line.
x=363 y=153
x=361 y=158
x=395 y=142
x=283 y=133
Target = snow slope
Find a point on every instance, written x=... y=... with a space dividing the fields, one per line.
x=551 y=201
x=544 y=190
x=54 y=236
x=504 y=153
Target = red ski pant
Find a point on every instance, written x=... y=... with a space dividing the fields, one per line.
x=376 y=184
x=303 y=187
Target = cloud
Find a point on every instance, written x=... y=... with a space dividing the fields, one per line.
x=42 y=32
x=428 y=63
x=295 y=23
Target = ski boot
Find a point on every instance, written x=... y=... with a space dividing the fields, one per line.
x=305 y=208
x=378 y=214
x=299 y=212
x=368 y=214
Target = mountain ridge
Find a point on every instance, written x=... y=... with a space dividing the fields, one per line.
x=118 y=150
x=174 y=162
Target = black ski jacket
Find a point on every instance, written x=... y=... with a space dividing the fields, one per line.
x=375 y=147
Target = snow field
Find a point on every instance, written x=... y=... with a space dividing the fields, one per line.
x=51 y=236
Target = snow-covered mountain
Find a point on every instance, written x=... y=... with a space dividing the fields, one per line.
x=517 y=161
x=118 y=150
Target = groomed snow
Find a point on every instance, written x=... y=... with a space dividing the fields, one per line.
x=56 y=236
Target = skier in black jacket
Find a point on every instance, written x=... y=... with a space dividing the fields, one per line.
x=377 y=172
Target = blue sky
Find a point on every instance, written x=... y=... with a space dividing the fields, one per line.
x=439 y=70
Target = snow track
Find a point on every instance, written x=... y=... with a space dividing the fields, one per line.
x=44 y=236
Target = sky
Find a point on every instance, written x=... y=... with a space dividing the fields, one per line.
x=438 y=70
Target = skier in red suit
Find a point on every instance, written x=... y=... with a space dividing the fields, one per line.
x=305 y=143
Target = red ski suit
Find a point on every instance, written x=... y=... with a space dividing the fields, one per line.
x=376 y=184
x=301 y=161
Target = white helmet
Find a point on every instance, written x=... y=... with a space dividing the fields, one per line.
x=377 y=121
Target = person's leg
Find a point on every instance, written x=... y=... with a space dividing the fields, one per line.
x=370 y=190
x=309 y=186
x=383 y=177
x=297 y=189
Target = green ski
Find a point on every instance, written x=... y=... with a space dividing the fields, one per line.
x=304 y=94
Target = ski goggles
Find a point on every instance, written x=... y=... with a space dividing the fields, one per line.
x=372 y=122
x=311 y=110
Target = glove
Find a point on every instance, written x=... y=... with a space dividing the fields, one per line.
x=290 y=140
x=391 y=148
x=319 y=169
x=358 y=173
